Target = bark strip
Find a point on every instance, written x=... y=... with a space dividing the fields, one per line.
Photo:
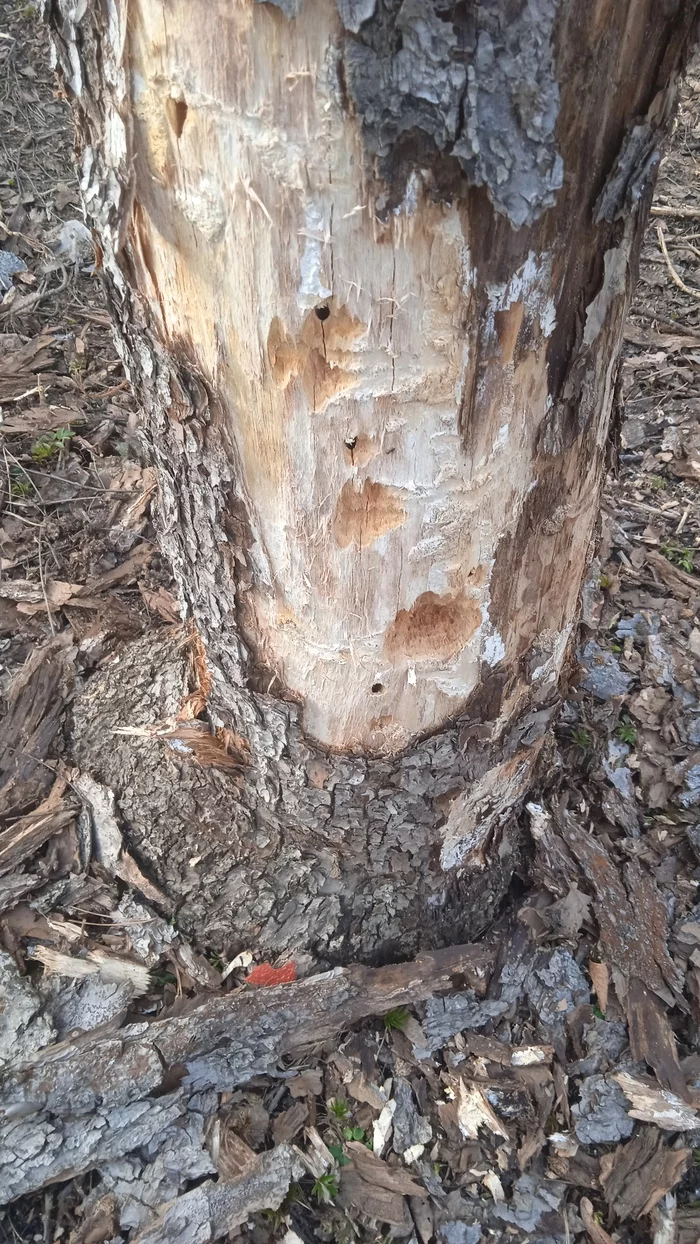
x=79 y=1104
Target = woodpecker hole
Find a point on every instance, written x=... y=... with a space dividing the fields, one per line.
x=177 y=115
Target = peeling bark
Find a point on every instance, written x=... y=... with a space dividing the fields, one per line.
x=81 y=1104
x=370 y=265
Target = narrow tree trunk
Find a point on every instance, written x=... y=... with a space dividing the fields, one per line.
x=370 y=262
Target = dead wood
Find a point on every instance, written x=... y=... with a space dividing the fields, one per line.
x=596 y=1233
x=30 y=832
x=638 y=1174
x=35 y=704
x=78 y=1104
x=633 y=928
x=213 y=1209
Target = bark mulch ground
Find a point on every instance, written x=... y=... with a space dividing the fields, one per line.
x=542 y=1086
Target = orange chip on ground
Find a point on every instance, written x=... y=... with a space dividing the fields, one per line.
x=265 y=974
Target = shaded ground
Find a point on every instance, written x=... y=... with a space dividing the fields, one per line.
x=559 y=1099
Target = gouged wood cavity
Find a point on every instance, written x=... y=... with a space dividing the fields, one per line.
x=364 y=514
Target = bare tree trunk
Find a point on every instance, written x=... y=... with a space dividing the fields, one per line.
x=370 y=263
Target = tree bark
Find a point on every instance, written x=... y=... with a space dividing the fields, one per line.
x=88 y=1101
x=370 y=263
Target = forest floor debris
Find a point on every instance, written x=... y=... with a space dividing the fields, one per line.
x=548 y=1091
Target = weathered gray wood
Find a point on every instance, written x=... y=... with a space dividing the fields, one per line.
x=213 y=1209
x=78 y=1104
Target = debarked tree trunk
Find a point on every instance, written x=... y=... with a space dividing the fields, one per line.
x=370 y=262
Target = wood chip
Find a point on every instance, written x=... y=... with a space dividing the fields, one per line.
x=600 y=976
x=594 y=1229
x=638 y=1174
x=56 y=595
x=96 y=962
x=286 y=1126
x=495 y=1187
x=161 y=602
x=377 y=1172
x=361 y=1090
x=652 y=1104
x=652 y=1039
x=232 y=1156
x=474 y=1112
x=35 y=703
x=380 y=1204
x=120 y=574
x=41 y=419
x=308 y=1084
x=30 y=832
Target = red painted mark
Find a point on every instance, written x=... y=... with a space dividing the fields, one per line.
x=265 y=974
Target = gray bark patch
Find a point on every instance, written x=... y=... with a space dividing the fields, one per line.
x=474 y=87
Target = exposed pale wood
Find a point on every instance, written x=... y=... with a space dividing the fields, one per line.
x=370 y=264
x=382 y=375
x=28 y=834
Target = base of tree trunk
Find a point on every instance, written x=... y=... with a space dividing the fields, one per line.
x=339 y=856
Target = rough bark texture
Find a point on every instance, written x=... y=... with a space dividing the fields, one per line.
x=370 y=265
x=82 y=1104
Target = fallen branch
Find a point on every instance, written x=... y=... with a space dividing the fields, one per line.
x=677 y=280
x=78 y=1104
x=682 y=213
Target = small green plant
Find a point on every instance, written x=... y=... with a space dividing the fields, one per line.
x=52 y=443
x=326 y=1188
x=339 y=1108
x=580 y=737
x=605 y=580
x=275 y=1217
x=163 y=977
x=680 y=556
x=627 y=731
x=657 y=482
x=21 y=488
x=597 y=1011
x=354 y=1133
x=337 y=1152
x=396 y=1020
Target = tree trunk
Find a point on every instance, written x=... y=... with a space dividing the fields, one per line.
x=370 y=262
